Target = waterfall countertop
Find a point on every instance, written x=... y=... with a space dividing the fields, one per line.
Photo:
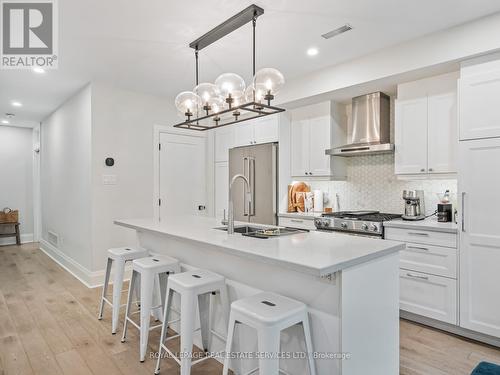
x=315 y=253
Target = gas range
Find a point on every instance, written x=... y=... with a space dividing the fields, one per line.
x=363 y=223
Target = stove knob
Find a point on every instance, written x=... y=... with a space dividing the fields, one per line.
x=374 y=228
x=344 y=225
x=364 y=226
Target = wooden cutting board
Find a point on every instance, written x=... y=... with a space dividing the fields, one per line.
x=293 y=204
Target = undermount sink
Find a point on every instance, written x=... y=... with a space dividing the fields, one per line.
x=264 y=232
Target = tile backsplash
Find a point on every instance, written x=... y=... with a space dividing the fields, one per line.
x=371 y=184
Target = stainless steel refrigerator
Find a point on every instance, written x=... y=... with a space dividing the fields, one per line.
x=259 y=164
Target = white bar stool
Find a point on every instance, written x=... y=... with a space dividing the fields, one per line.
x=269 y=314
x=146 y=270
x=197 y=285
x=119 y=256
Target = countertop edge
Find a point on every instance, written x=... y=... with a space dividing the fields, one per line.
x=429 y=227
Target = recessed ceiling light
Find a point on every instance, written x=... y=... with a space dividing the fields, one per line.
x=312 y=51
x=16 y=103
x=6 y=122
x=38 y=70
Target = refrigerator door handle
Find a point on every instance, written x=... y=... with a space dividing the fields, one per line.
x=251 y=179
x=246 y=169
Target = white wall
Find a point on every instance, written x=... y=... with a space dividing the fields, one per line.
x=122 y=128
x=66 y=180
x=16 y=177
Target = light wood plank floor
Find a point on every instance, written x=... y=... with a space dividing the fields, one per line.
x=48 y=325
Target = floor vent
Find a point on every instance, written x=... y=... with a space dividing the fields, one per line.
x=53 y=238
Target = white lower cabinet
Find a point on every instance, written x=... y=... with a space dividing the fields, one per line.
x=428 y=295
x=428 y=273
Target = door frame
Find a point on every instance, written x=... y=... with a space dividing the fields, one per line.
x=166 y=129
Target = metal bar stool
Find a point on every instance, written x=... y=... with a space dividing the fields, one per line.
x=269 y=314
x=119 y=256
x=146 y=270
x=193 y=286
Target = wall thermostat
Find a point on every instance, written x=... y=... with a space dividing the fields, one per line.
x=110 y=162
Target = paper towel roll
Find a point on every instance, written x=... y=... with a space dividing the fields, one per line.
x=318 y=201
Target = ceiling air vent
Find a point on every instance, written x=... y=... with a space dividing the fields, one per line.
x=340 y=30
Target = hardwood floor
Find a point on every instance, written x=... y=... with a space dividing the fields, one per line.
x=48 y=325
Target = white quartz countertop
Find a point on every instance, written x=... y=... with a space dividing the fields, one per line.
x=315 y=253
x=430 y=223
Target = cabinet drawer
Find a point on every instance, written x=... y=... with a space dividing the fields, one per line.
x=297 y=223
x=436 y=260
x=421 y=236
x=427 y=295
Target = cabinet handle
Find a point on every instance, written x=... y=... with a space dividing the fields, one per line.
x=430 y=169
x=310 y=173
x=463 y=211
x=418 y=234
x=422 y=170
x=417 y=276
x=297 y=220
x=418 y=248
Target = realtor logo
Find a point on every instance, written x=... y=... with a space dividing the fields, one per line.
x=29 y=37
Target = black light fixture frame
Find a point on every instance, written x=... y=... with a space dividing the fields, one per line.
x=248 y=14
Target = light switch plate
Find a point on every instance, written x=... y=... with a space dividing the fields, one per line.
x=109 y=179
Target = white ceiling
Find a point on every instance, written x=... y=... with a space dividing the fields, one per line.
x=142 y=45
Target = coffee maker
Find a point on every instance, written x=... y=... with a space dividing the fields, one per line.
x=414 y=205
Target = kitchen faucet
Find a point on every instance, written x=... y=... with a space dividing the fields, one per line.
x=230 y=213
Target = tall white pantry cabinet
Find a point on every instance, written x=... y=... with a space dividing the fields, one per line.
x=479 y=185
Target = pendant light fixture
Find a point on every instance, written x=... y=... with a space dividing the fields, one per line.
x=229 y=100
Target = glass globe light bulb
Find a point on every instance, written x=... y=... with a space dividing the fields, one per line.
x=260 y=92
x=207 y=92
x=270 y=78
x=230 y=85
x=187 y=102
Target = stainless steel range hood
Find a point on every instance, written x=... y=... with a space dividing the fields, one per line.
x=369 y=130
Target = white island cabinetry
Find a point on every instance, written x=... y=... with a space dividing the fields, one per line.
x=350 y=285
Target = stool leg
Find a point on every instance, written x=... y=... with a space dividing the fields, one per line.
x=204 y=308
x=309 y=346
x=105 y=287
x=18 y=235
x=147 y=285
x=224 y=300
x=229 y=343
x=133 y=281
x=117 y=293
x=163 y=280
x=269 y=346
x=164 y=327
x=187 y=328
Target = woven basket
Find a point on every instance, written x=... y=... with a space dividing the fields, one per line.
x=9 y=216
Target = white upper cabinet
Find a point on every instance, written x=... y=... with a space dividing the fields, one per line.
x=311 y=128
x=411 y=136
x=259 y=130
x=224 y=140
x=426 y=130
x=479 y=87
x=442 y=131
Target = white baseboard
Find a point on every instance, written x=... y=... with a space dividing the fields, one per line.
x=91 y=279
x=25 y=238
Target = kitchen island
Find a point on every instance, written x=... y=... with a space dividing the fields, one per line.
x=350 y=284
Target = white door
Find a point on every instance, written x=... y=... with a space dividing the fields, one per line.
x=479 y=114
x=221 y=188
x=319 y=141
x=182 y=175
x=442 y=133
x=299 y=147
x=479 y=184
x=411 y=136
x=224 y=140
x=266 y=129
x=244 y=133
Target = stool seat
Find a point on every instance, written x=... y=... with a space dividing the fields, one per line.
x=269 y=308
x=154 y=263
x=126 y=253
x=201 y=280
